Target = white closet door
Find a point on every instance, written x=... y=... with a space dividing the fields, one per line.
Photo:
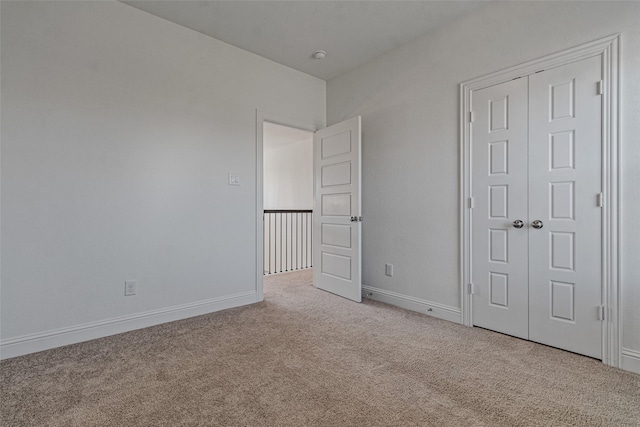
x=565 y=272
x=499 y=167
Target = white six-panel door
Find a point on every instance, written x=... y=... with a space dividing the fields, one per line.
x=536 y=157
x=565 y=181
x=499 y=156
x=337 y=209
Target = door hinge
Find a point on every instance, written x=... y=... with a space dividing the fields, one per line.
x=600 y=200
x=600 y=87
x=471 y=116
x=470 y=288
x=471 y=203
x=601 y=312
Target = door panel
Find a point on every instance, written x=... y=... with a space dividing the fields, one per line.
x=565 y=180
x=536 y=156
x=336 y=248
x=499 y=165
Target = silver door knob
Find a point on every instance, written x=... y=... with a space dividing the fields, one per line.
x=518 y=223
x=537 y=224
x=354 y=219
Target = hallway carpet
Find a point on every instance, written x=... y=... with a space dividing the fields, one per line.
x=304 y=357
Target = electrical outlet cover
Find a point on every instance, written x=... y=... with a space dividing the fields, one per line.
x=130 y=287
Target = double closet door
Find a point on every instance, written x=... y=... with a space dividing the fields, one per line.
x=536 y=216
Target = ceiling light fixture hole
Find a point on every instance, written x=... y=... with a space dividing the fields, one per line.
x=319 y=54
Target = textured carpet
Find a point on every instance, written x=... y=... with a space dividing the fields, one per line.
x=306 y=357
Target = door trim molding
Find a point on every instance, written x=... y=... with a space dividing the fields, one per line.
x=261 y=117
x=608 y=49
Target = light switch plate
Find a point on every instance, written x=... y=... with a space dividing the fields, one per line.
x=234 y=179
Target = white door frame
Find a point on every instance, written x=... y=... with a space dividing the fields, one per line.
x=262 y=117
x=608 y=49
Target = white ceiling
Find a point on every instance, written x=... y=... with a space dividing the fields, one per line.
x=288 y=32
x=278 y=136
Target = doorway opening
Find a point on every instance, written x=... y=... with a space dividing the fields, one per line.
x=287 y=198
x=333 y=171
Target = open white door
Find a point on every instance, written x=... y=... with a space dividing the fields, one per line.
x=337 y=209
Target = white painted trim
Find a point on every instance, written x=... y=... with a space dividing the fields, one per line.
x=630 y=360
x=430 y=308
x=611 y=178
x=262 y=117
x=557 y=59
x=465 y=205
x=32 y=343
x=608 y=49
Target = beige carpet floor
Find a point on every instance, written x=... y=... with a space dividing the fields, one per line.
x=304 y=357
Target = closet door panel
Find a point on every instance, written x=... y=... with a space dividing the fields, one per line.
x=499 y=164
x=565 y=272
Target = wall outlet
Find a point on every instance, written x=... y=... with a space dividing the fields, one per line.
x=388 y=269
x=129 y=287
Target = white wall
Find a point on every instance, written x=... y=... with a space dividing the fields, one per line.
x=118 y=132
x=408 y=99
x=288 y=176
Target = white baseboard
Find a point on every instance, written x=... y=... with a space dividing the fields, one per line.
x=630 y=360
x=430 y=308
x=32 y=343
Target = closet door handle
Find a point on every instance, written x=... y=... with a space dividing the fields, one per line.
x=518 y=223
x=537 y=224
